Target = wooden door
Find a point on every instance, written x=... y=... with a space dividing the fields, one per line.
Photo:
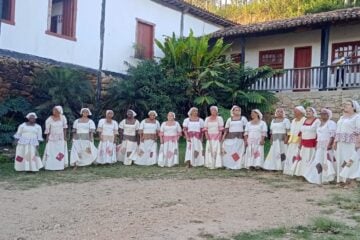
x=145 y=40
x=302 y=77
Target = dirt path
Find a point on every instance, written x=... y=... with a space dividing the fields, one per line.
x=153 y=209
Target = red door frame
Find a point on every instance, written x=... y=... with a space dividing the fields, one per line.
x=301 y=76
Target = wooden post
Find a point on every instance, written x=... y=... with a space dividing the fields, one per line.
x=99 y=73
x=243 y=42
x=324 y=55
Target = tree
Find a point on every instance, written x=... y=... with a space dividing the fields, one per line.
x=62 y=86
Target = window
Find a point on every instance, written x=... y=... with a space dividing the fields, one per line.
x=236 y=57
x=8 y=12
x=272 y=58
x=349 y=50
x=144 y=48
x=62 y=18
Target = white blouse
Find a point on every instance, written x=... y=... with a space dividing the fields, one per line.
x=81 y=127
x=214 y=127
x=236 y=125
x=309 y=131
x=29 y=134
x=193 y=126
x=106 y=128
x=149 y=128
x=55 y=129
x=255 y=131
x=348 y=128
x=172 y=130
x=129 y=129
x=325 y=132
x=282 y=127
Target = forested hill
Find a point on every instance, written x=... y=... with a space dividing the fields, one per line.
x=252 y=11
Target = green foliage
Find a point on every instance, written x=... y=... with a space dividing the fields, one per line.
x=245 y=12
x=12 y=113
x=62 y=86
x=146 y=88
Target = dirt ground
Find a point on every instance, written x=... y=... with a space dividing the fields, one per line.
x=154 y=209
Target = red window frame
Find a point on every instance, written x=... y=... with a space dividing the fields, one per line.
x=236 y=57
x=346 y=48
x=141 y=51
x=68 y=19
x=272 y=58
x=11 y=13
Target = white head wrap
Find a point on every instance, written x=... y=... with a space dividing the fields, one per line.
x=233 y=108
x=314 y=111
x=259 y=113
x=301 y=109
x=85 y=109
x=173 y=114
x=277 y=112
x=191 y=110
x=133 y=112
x=59 y=109
x=109 y=111
x=152 y=112
x=356 y=106
x=31 y=114
x=328 y=111
x=214 y=107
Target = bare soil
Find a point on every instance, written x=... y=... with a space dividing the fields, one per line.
x=155 y=209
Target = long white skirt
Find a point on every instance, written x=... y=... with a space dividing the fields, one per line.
x=106 y=152
x=254 y=156
x=56 y=155
x=83 y=153
x=233 y=153
x=291 y=153
x=321 y=168
x=27 y=158
x=194 y=152
x=306 y=157
x=276 y=156
x=213 y=154
x=168 y=154
x=146 y=153
x=125 y=151
x=344 y=153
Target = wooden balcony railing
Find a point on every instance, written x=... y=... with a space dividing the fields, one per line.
x=312 y=79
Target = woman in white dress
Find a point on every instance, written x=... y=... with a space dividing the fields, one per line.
x=279 y=129
x=322 y=169
x=193 y=126
x=128 y=129
x=27 y=140
x=83 y=151
x=56 y=150
x=170 y=131
x=255 y=134
x=346 y=142
x=292 y=152
x=146 y=154
x=108 y=130
x=308 y=134
x=233 y=147
x=213 y=128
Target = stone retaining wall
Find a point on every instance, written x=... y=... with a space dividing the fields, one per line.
x=17 y=76
x=330 y=99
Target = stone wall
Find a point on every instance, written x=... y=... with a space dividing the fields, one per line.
x=330 y=99
x=17 y=76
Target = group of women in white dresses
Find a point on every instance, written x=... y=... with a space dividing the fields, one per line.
x=315 y=148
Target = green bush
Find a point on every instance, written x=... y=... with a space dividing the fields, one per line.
x=12 y=113
x=62 y=86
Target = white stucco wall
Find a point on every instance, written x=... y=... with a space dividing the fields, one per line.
x=290 y=41
x=120 y=29
x=28 y=34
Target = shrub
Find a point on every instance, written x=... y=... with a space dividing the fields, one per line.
x=62 y=86
x=12 y=113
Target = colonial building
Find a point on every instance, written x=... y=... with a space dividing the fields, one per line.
x=97 y=34
x=305 y=48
